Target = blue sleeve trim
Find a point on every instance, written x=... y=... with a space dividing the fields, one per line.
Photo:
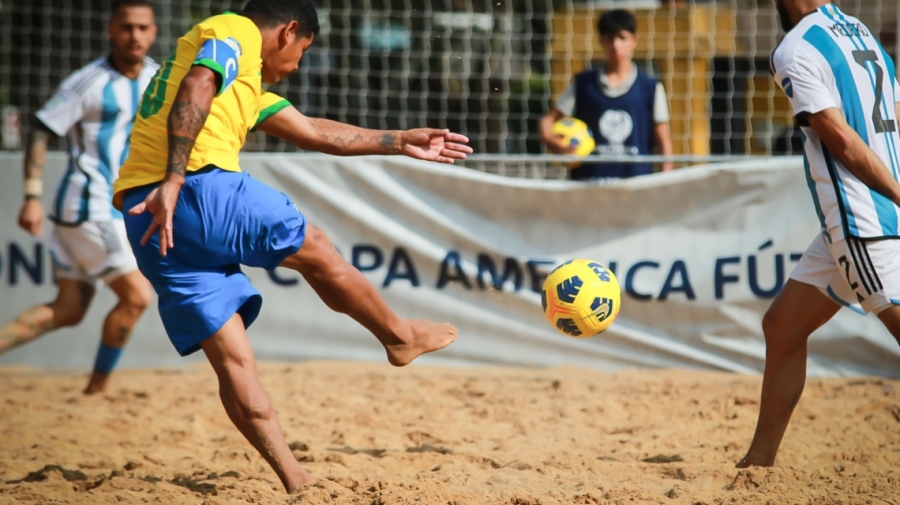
x=220 y=56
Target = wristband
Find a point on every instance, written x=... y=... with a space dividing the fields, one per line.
x=34 y=187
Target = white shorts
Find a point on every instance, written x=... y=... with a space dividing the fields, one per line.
x=91 y=252
x=853 y=272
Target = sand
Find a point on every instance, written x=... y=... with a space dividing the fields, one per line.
x=376 y=435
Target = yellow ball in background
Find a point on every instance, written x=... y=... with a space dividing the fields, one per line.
x=581 y=298
x=575 y=133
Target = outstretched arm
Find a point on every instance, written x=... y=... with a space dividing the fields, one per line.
x=186 y=119
x=845 y=144
x=332 y=137
x=31 y=216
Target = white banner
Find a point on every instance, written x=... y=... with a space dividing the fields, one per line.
x=699 y=253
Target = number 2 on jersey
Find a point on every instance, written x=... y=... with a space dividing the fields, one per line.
x=882 y=125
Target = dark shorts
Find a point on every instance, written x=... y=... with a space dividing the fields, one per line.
x=222 y=220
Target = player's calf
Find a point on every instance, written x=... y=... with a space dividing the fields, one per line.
x=247 y=404
x=133 y=291
x=68 y=309
x=30 y=324
x=344 y=289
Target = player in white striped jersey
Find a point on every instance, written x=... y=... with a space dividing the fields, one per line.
x=94 y=108
x=841 y=85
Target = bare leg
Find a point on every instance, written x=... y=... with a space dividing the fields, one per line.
x=133 y=291
x=798 y=311
x=246 y=403
x=344 y=289
x=72 y=301
x=891 y=319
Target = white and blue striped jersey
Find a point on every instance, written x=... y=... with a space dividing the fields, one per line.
x=94 y=108
x=830 y=60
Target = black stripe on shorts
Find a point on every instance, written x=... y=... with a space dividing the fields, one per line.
x=856 y=262
x=867 y=263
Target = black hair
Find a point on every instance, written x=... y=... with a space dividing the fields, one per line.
x=615 y=21
x=277 y=12
x=117 y=5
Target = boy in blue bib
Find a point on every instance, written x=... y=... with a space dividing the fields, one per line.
x=625 y=108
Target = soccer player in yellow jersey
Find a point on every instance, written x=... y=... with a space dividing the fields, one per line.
x=193 y=218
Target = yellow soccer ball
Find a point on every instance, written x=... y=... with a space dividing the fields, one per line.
x=581 y=298
x=575 y=133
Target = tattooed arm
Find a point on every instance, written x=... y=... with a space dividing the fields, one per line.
x=331 y=137
x=186 y=118
x=341 y=139
x=31 y=215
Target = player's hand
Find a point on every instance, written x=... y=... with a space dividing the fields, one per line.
x=31 y=217
x=161 y=204
x=434 y=145
x=556 y=146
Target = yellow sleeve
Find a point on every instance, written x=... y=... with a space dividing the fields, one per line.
x=269 y=105
x=222 y=44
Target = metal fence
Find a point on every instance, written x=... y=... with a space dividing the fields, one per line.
x=488 y=68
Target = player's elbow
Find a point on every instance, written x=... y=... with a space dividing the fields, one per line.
x=840 y=143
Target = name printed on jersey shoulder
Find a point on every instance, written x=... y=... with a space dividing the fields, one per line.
x=221 y=56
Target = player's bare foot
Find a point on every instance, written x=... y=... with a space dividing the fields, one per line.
x=97 y=384
x=299 y=481
x=749 y=461
x=426 y=337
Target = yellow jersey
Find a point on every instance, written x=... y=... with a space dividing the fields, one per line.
x=230 y=45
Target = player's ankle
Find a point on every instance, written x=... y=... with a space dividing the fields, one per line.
x=398 y=332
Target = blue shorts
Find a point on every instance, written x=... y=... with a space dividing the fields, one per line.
x=222 y=220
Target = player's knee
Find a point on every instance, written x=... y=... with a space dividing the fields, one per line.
x=326 y=263
x=136 y=301
x=771 y=323
x=255 y=408
x=133 y=292
x=779 y=332
x=319 y=242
